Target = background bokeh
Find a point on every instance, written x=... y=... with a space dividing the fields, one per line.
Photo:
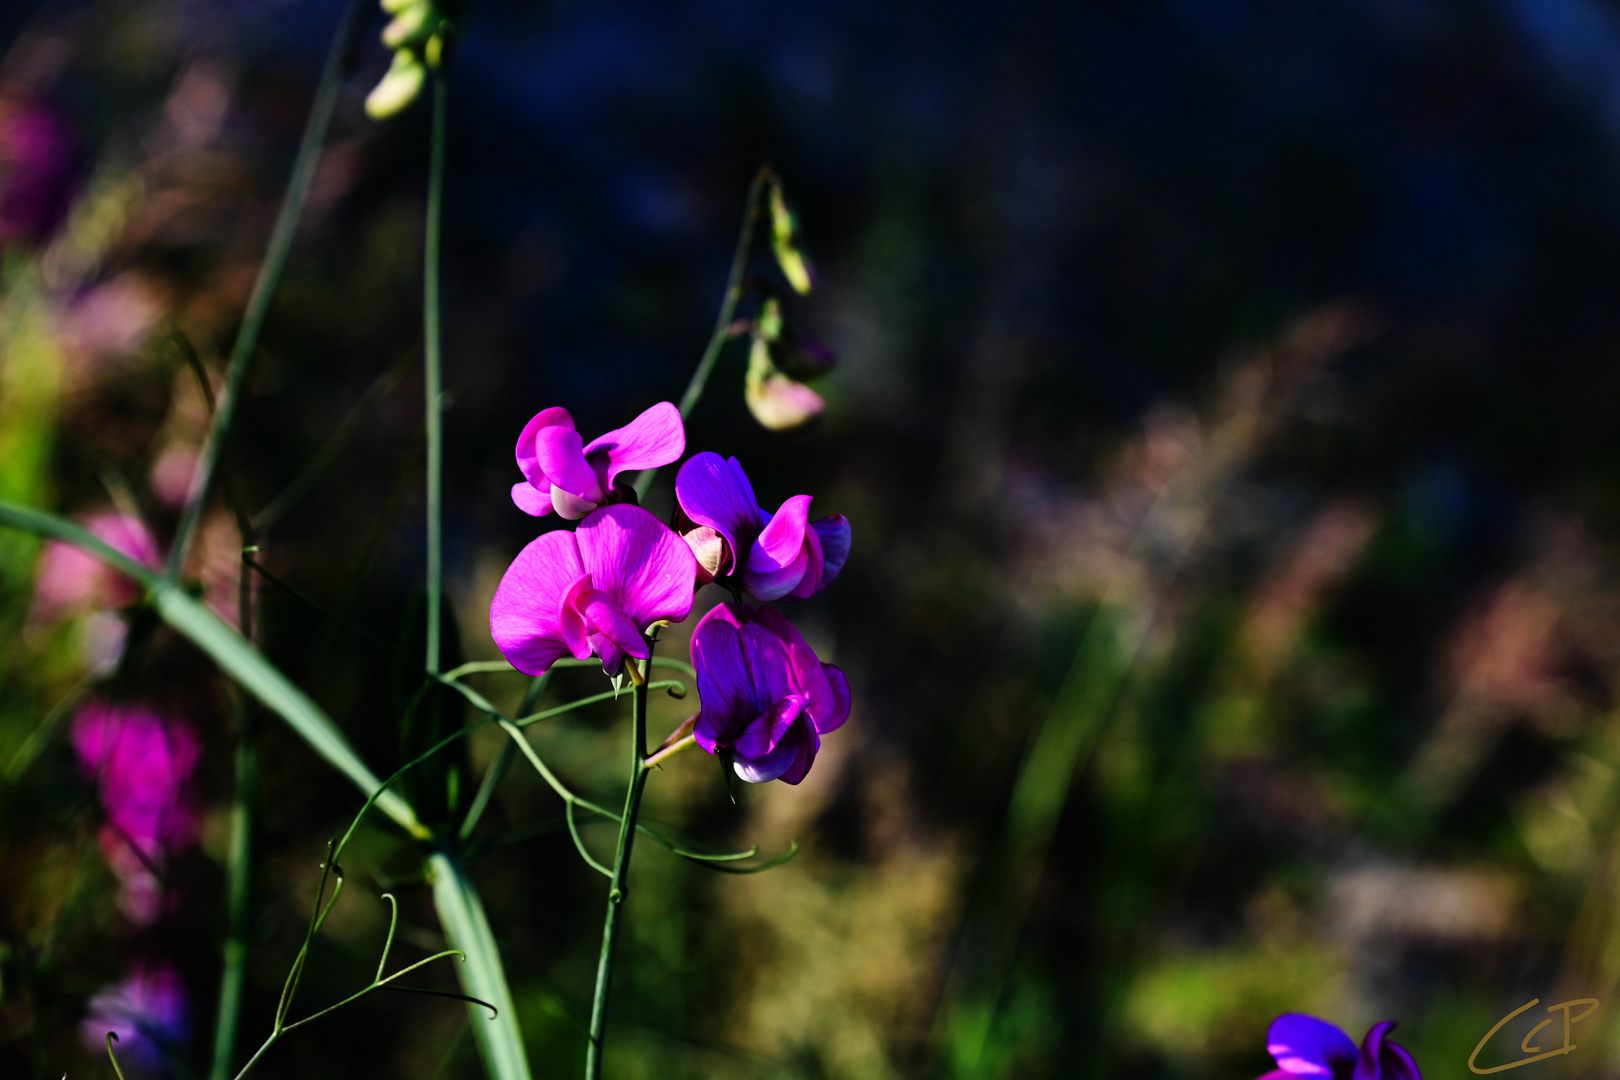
x=1226 y=416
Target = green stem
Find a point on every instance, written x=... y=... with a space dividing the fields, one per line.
x=338 y=62
x=433 y=369
x=621 y=870
x=728 y=312
x=239 y=867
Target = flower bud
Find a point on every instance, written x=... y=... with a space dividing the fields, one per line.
x=710 y=549
x=777 y=402
x=411 y=26
x=399 y=87
x=784 y=229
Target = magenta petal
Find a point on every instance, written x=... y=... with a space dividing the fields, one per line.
x=1306 y=1046
x=576 y=629
x=609 y=622
x=527 y=462
x=562 y=456
x=762 y=736
x=810 y=583
x=523 y=617
x=714 y=491
x=834 y=533
x=805 y=742
x=839 y=683
x=531 y=501
x=778 y=560
x=639 y=562
x=655 y=438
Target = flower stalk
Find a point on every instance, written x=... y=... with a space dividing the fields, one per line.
x=433 y=371
x=618 y=888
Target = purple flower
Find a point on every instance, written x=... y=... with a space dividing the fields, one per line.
x=766 y=699
x=36 y=170
x=592 y=591
x=141 y=763
x=1307 y=1047
x=563 y=473
x=147 y=1011
x=769 y=556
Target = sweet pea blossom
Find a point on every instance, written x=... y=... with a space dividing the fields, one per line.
x=147 y=1011
x=70 y=581
x=769 y=556
x=1304 y=1046
x=766 y=699
x=141 y=763
x=564 y=473
x=593 y=591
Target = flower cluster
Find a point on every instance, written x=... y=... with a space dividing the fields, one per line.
x=766 y=699
x=141 y=763
x=1304 y=1046
x=148 y=1013
x=416 y=33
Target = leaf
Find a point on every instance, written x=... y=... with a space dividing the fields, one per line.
x=237 y=656
x=461 y=912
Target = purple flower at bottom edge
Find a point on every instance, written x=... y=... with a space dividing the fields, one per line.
x=562 y=472
x=776 y=556
x=766 y=699
x=147 y=1011
x=593 y=591
x=1304 y=1046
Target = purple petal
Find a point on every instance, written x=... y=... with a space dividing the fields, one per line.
x=791 y=666
x=609 y=627
x=810 y=583
x=769 y=767
x=725 y=687
x=653 y=439
x=804 y=740
x=531 y=501
x=762 y=736
x=841 y=701
x=576 y=629
x=714 y=491
x=523 y=617
x=1306 y=1046
x=1383 y=1060
x=528 y=463
x=777 y=562
x=834 y=534
x=639 y=562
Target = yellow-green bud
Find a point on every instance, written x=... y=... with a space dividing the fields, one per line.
x=399 y=87
x=788 y=256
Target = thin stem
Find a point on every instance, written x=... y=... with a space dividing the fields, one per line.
x=433 y=370
x=621 y=870
x=728 y=312
x=686 y=742
x=338 y=61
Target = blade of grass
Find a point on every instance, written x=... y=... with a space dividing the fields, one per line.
x=466 y=927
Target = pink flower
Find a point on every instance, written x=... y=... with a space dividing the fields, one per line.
x=563 y=473
x=36 y=170
x=776 y=556
x=593 y=591
x=73 y=582
x=766 y=699
x=147 y=1011
x=141 y=763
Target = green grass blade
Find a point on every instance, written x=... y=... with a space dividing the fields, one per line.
x=230 y=651
x=500 y=1042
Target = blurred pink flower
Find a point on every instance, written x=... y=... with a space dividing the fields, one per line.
x=72 y=582
x=141 y=762
x=147 y=1011
x=36 y=170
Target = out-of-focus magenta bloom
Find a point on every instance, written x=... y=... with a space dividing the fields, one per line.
x=141 y=762
x=1304 y=1046
x=563 y=473
x=72 y=582
x=147 y=1011
x=769 y=556
x=593 y=591
x=36 y=170
x=766 y=699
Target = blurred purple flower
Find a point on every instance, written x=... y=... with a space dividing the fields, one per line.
x=36 y=170
x=784 y=555
x=141 y=762
x=563 y=473
x=592 y=591
x=766 y=699
x=147 y=1011
x=1307 y=1047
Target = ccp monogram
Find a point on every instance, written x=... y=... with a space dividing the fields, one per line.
x=1564 y=1007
